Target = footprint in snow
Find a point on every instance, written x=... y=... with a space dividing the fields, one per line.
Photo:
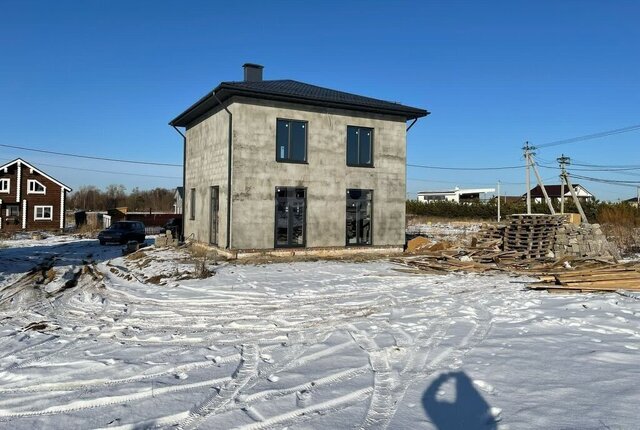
x=266 y=358
x=484 y=386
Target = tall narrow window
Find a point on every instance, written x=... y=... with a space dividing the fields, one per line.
x=291 y=141
x=359 y=217
x=5 y=185
x=359 y=146
x=290 y=222
x=192 y=209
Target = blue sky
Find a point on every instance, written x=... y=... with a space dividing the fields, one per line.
x=103 y=78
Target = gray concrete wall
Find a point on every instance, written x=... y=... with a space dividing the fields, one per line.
x=326 y=176
x=206 y=166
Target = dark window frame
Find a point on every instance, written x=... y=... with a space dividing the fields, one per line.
x=306 y=142
x=359 y=128
x=192 y=205
x=346 y=238
x=275 y=219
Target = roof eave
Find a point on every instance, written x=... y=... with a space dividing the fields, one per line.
x=52 y=179
x=225 y=91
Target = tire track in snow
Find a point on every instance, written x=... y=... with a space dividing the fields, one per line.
x=309 y=412
x=247 y=369
x=380 y=407
x=87 y=385
x=79 y=405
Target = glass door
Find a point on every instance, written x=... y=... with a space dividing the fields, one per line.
x=290 y=220
x=359 y=222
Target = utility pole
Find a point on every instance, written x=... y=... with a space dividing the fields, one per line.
x=563 y=171
x=527 y=159
x=528 y=155
x=499 y=201
x=575 y=198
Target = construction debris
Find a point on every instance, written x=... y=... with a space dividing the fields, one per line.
x=608 y=277
x=561 y=255
x=533 y=234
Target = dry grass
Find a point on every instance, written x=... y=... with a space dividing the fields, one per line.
x=621 y=224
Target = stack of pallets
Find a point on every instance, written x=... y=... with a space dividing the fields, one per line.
x=532 y=234
x=491 y=234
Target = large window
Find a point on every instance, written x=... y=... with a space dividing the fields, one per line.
x=192 y=205
x=359 y=146
x=291 y=141
x=35 y=187
x=4 y=185
x=43 y=213
x=359 y=217
x=290 y=224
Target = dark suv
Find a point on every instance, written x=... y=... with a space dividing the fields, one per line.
x=123 y=232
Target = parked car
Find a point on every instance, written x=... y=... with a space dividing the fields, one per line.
x=174 y=225
x=123 y=232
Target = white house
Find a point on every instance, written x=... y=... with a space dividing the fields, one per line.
x=456 y=195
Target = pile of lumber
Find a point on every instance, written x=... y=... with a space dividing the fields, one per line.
x=460 y=259
x=606 y=277
x=533 y=235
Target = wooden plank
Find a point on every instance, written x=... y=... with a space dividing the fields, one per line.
x=600 y=277
x=622 y=284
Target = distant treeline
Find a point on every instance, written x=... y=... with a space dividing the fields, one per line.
x=622 y=213
x=91 y=198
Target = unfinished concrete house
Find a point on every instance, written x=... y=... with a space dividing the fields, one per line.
x=280 y=164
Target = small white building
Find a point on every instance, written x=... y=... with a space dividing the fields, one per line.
x=178 y=196
x=456 y=195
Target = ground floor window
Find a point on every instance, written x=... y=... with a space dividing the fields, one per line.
x=192 y=204
x=290 y=220
x=359 y=219
x=43 y=213
x=13 y=210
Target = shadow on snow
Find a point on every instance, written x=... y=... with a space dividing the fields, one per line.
x=452 y=403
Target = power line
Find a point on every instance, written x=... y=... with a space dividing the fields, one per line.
x=464 y=168
x=619 y=170
x=111 y=172
x=148 y=163
x=632 y=184
x=591 y=136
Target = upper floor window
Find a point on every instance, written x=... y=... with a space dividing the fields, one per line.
x=359 y=146
x=4 y=185
x=291 y=141
x=35 y=187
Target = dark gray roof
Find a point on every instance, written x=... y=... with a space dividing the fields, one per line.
x=296 y=92
x=552 y=190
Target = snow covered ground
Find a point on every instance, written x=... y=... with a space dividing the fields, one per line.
x=134 y=343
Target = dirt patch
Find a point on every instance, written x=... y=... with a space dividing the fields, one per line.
x=37 y=326
x=155 y=279
x=136 y=256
